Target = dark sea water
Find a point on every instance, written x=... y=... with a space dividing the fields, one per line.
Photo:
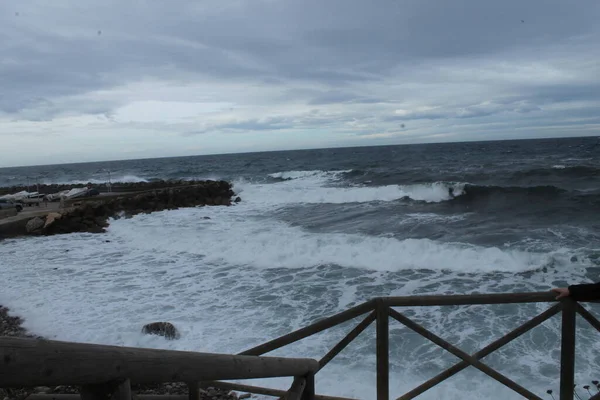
x=319 y=231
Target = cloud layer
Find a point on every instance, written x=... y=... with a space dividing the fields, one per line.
x=89 y=80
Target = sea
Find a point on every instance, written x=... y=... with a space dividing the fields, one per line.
x=320 y=231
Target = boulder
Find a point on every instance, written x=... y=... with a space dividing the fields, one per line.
x=34 y=224
x=50 y=218
x=238 y=199
x=165 y=329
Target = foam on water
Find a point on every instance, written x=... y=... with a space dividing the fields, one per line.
x=243 y=277
x=274 y=244
x=313 y=187
x=234 y=281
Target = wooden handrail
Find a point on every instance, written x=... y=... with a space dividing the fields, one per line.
x=467 y=299
x=109 y=369
x=44 y=362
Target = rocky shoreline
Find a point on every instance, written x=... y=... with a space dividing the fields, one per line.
x=115 y=187
x=92 y=214
x=12 y=326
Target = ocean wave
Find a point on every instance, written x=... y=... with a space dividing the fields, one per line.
x=274 y=244
x=315 y=191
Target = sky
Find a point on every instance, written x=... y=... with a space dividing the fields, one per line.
x=89 y=80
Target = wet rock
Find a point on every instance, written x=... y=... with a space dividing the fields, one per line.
x=34 y=224
x=238 y=199
x=165 y=329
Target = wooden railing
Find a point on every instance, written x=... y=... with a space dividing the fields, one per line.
x=379 y=310
x=104 y=371
x=28 y=362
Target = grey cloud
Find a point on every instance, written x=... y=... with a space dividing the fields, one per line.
x=335 y=96
x=364 y=59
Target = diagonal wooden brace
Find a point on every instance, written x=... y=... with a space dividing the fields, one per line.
x=526 y=327
x=462 y=355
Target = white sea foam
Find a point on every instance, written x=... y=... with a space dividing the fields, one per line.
x=243 y=277
x=275 y=244
x=314 y=188
x=270 y=278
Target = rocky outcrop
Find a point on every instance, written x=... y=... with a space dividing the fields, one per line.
x=93 y=215
x=165 y=329
x=118 y=187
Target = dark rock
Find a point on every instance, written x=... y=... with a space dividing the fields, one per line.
x=165 y=329
x=206 y=218
x=34 y=224
x=238 y=199
x=245 y=396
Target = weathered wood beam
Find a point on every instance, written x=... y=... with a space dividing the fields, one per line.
x=455 y=300
x=526 y=327
x=588 y=316
x=310 y=330
x=297 y=389
x=462 y=355
x=32 y=362
x=347 y=340
x=383 y=352
x=567 y=349
x=258 y=390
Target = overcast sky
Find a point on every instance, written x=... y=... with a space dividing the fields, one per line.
x=88 y=80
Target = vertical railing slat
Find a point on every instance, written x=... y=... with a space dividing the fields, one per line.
x=567 y=350
x=383 y=353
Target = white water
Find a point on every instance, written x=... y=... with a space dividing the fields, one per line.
x=99 y=180
x=243 y=277
x=314 y=189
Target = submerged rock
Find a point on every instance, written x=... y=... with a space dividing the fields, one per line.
x=165 y=329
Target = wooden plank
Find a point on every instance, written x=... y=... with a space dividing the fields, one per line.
x=193 y=391
x=309 y=390
x=347 y=340
x=383 y=352
x=297 y=389
x=59 y=396
x=447 y=300
x=588 y=316
x=258 y=390
x=311 y=329
x=462 y=355
x=123 y=391
x=95 y=392
x=483 y=352
x=567 y=349
x=32 y=362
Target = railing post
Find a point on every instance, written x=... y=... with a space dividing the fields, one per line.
x=567 y=350
x=193 y=390
x=383 y=362
x=309 y=389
